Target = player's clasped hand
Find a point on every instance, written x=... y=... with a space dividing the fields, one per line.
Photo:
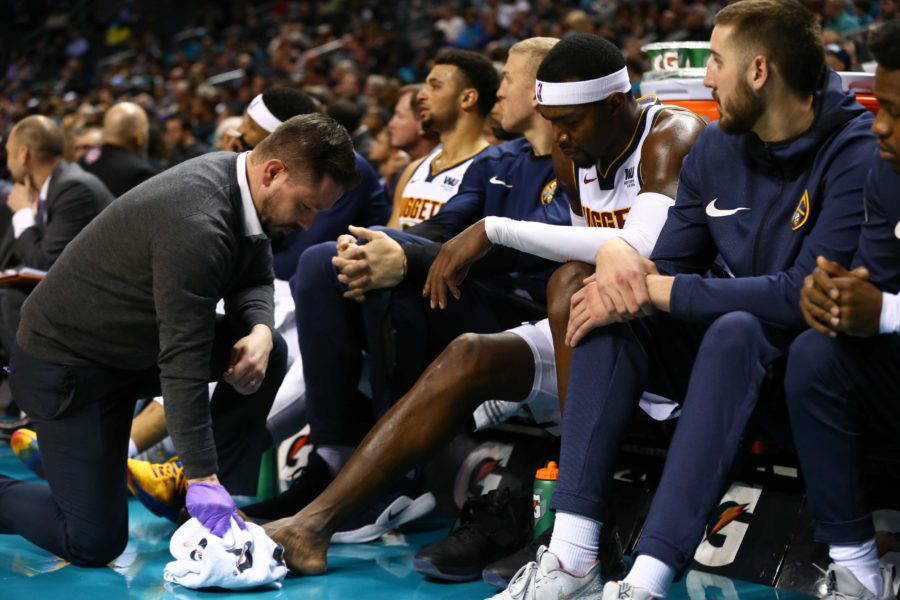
x=379 y=263
x=834 y=300
x=622 y=280
x=452 y=264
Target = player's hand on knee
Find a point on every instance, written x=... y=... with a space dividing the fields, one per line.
x=249 y=361
x=588 y=311
x=452 y=264
x=621 y=274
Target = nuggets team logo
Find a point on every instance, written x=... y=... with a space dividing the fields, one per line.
x=548 y=192
x=540 y=88
x=801 y=213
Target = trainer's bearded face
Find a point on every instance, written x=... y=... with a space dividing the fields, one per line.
x=289 y=203
x=578 y=112
x=740 y=106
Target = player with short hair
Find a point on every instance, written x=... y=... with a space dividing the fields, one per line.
x=772 y=184
x=518 y=365
x=842 y=376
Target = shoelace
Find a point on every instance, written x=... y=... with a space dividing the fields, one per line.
x=523 y=580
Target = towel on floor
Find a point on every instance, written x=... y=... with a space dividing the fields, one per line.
x=241 y=559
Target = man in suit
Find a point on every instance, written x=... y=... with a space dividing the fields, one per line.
x=120 y=162
x=51 y=201
x=129 y=311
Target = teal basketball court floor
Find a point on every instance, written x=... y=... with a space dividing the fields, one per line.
x=376 y=571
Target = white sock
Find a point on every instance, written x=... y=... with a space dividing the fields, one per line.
x=862 y=561
x=132 y=448
x=651 y=574
x=335 y=457
x=575 y=542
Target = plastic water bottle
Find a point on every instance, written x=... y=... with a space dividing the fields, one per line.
x=544 y=484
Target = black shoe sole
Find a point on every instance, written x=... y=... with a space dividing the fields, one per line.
x=429 y=569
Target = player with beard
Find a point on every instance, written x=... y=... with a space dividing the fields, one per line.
x=775 y=183
x=636 y=148
x=129 y=310
x=457 y=97
x=845 y=382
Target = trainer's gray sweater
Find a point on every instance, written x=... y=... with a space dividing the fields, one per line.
x=139 y=286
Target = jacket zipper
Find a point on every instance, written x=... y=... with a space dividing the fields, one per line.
x=759 y=229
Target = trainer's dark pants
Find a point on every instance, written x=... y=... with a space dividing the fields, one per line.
x=717 y=371
x=835 y=388
x=397 y=329
x=82 y=415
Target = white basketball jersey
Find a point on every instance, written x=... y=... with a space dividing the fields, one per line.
x=607 y=197
x=427 y=191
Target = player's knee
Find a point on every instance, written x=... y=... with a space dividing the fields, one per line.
x=469 y=358
x=313 y=267
x=813 y=359
x=734 y=332
x=564 y=282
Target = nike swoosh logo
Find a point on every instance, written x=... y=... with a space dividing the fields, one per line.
x=712 y=211
x=587 y=181
x=496 y=181
x=897 y=231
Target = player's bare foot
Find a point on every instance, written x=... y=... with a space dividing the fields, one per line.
x=304 y=550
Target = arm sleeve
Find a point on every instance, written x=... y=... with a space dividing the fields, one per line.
x=776 y=298
x=186 y=286
x=564 y=243
x=890 y=313
x=71 y=210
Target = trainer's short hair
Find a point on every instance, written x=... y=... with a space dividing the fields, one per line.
x=43 y=138
x=786 y=32
x=884 y=44
x=580 y=57
x=312 y=145
x=285 y=102
x=477 y=72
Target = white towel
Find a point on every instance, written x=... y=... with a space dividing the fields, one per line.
x=239 y=560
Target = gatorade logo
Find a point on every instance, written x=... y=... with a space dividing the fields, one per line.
x=728 y=527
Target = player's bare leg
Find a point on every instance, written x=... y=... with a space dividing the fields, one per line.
x=565 y=281
x=472 y=369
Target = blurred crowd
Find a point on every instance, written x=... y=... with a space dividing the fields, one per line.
x=191 y=64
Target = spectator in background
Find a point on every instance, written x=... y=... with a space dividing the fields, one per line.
x=51 y=202
x=120 y=162
x=837 y=58
x=839 y=17
x=180 y=140
x=85 y=139
x=222 y=139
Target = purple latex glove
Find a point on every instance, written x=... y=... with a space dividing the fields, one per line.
x=212 y=505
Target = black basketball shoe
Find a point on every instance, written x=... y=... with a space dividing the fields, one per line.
x=490 y=527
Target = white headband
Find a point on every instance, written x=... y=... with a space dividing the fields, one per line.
x=581 y=92
x=259 y=112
